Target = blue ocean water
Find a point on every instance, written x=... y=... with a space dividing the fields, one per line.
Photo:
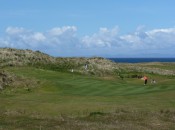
x=141 y=60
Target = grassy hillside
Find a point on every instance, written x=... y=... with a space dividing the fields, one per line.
x=96 y=65
x=66 y=100
x=15 y=57
x=152 y=68
x=40 y=92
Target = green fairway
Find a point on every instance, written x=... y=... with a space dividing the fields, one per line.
x=75 y=97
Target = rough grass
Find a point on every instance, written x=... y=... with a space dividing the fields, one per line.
x=152 y=68
x=73 y=101
x=120 y=119
x=16 y=57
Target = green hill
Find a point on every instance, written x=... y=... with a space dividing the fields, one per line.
x=96 y=65
x=15 y=57
x=46 y=94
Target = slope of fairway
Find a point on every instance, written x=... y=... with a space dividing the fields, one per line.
x=63 y=99
x=74 y=84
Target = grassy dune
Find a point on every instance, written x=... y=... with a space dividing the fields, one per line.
x=73 y=101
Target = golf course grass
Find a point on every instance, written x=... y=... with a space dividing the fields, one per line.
x=71 y=101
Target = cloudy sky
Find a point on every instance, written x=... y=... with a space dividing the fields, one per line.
x=107 y=28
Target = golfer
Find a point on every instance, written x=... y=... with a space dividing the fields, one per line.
x=145 y=80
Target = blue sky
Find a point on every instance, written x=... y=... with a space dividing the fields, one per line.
x=108 y=28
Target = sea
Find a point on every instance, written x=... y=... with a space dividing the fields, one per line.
x=141 y=60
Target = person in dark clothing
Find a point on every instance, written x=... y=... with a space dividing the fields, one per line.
x=145 y=80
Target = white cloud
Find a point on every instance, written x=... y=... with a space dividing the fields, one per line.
x=4 y=43
x=39 y=37
x=166 y=30
x=104 y=38
x=140 y=28
x=62 y=37
x=14 y=30
x=63 y=41
x=68 y=30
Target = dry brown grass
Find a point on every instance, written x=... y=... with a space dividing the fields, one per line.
x=121 y=119
x=16 y=57
x=96 y=65
x=11 y=81
x=152 y=68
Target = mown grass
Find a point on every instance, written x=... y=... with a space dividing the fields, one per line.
x=73 y=101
